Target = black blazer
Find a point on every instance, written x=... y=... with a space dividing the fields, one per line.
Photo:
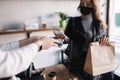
x=76 y=33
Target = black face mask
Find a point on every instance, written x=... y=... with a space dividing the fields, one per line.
x=85 y=10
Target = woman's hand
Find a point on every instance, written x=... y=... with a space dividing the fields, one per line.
x=61 y=36
x=58 y=34
x=103 y=40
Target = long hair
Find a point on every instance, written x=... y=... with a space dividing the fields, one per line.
x=96 y=13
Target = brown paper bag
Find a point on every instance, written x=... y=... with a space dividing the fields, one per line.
x=100 y=59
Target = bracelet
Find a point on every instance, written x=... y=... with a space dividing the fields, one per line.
x=40 y=48
x=39 y=43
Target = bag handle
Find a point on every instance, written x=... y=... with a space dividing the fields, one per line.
x=97 y=43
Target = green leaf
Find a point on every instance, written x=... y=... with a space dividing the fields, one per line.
x=62 y=16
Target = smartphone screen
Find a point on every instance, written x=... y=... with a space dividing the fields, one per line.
x=58 y=32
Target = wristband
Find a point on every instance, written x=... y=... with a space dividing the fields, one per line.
x=39 y=43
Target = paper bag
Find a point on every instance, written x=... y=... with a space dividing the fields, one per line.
x=99 y=59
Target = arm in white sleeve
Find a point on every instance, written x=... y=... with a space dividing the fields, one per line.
x=16 y=61
x=9 y=46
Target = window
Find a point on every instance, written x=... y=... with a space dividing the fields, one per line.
x=114 y=30
x=114 y=16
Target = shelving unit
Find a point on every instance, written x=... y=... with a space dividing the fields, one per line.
x=29 y=31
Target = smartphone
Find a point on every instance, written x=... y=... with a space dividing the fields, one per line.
x=58 y=32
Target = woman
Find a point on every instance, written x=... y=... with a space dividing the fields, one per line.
x=83 y=30
x=16 y=57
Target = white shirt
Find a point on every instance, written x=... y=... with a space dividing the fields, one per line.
x=16 y=60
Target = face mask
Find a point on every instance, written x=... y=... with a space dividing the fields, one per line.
x=85 y=10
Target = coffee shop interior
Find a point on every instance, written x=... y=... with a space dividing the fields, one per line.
x=21 y=19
